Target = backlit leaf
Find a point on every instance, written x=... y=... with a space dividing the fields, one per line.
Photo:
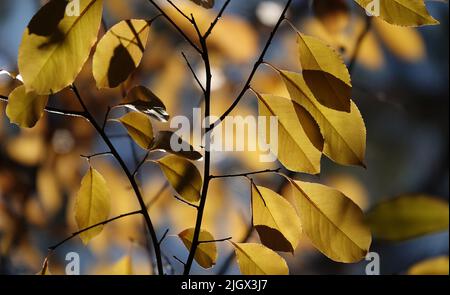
x=25 y=109
x=204 y=3
x=275 y=219
x=55 y=46
x=255 y=259
x=92 y=204
x=183 y=176
x=142 y=99
x=139 y=127
x=206 y=254
x=408 y=216
x=434 y=266
x=325 y=73
x=411 y=13
x=295 y=149
x=163 y=142
x=334 y=223
x=344 y=133
x=120 y=52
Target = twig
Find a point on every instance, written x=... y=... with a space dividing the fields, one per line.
x=96 y=155
x=163 y=237
x=185 y=202
x=179 y=11
x=246 y=174
x=216 y=20
x=193 y=73
x=359 y=43
x=215 y=241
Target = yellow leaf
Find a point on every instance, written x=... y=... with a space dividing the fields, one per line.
x=123 y=267
x=163 y=142
x=142 y=99
x=120 y=52
x=334 y=223
x=139 y=127
x=408 y=216
x=183 y=176
x=411 y=13
x=344 y=133
x=435 y=266
x=325 y=73
x=275 y=219
x=334 y=15
x=255 y=259
x=27 y=149
x=92 y=204
x=406 y=43
x=25 y=109
x=206 y=254
x=295 y=150
x=204 y=3
x=55 y=45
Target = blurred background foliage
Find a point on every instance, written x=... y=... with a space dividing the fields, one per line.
x=400 y=85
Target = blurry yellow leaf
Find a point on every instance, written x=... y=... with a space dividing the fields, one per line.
x=142 y=99
x=183 y=176
x=333 y=222
x=92 y=205
x=408 y=216
x=55 y=45
x=406 y=43
x=120 y=52
x=206 y=254
x=275 y=219
x=139 y=127
x=49 y=190
x=123 y=267
x=295 y=150
x=25 y=109
x=435 y=266
x=334 y=15
x=163 y=142
x=204 y=3
x=27 y=149
x=352 y=187
x=325 y=73
x=400 y=12
x=344 y=133
x=255 y=259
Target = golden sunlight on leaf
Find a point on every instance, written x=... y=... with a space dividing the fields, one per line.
x=55 y=46
x=275 y=219
x=255 y=259
x=344 y=133
x=408 y=216
x=120 y=52
x=410 y=13
x=334 y=223
x=92 y=204
x=25 y=109
x=206 y=254
x=183 y=176
x=325 y=73
x=295 y=150
x=434 y=266
x=139 y=127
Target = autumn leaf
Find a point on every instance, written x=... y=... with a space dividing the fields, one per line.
x=295 y=149
x=204 y=3
x=344 y=133
x=92 y=204
x=334 y=15
x=142 y=99
x=410 y=13
x=408 y=216
x=206 y=253
x=55 y=46
x=25 y=109
x=275 y=219
x=434 y=266
x=120 y=52
x=139 y=127
x=333 y=222
x=256 y=259
x=183 y=176
x=325 y=73
x=163 y=142
x=124 y=266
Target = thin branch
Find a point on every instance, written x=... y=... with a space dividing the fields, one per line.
x=215 y=241
x=179 y=260
x=193 y=73
x=172 y=22
x=180 y=11
x=359 y=43
x=163 y=237
x=216 y=20
x=55 y=111
x=96 y=155
x=141 y=163
x=246 y=174
x=255 y=68
x=186 y=202
x=130 y=177
x=157 y=196
x=75 y=234
x=105 y=120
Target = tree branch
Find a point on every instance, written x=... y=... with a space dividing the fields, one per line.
x=216 y=20
x=193 y=73
x=246 y=174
